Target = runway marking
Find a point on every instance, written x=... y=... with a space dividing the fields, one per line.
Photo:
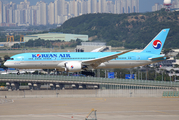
x=163 y=112
x=78 y=109
x=85 y=113
x=63 y=116
x=6 y=101
x=96 y=100
x=73 y=116
x=1 y=101
x=62 y=105
x=100 y=99
x=174 y=100
x=139 y=111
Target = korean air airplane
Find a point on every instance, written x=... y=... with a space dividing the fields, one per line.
x=75 y=62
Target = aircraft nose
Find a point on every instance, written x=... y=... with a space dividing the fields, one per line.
x=6 y=64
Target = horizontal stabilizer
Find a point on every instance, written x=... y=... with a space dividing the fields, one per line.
x=159 y=58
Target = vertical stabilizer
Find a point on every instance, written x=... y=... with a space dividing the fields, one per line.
x=156 y=45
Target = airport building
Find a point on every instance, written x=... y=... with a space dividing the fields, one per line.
x=56 y=36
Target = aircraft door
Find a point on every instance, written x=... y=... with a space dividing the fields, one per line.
x=53 y=62
x=137 y=57
x=54 y=58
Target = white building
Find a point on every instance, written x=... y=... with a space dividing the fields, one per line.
x=94 y=6
x=61 y=7
x=84 y=7
x=4 y=13
x=103 y=6
x=176 y=3
x=54 y=13
x=89 y=6
x=42 y=13
x=110 y=7
x=75 y=8
x=135 y=6
x=28 y=16
x=34 y=14
x=56 y=36
x=1 y=12
x=117 y=7
x=156 y=7
x=17 y=18
x=51 y=13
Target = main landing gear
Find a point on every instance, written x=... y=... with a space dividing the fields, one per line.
x=18 y=73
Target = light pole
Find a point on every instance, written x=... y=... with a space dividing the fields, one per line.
x=162 y=75
x=146 y=74
x=105 y=73
x=34 y=44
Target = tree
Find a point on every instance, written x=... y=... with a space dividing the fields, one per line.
x=62 y=47
x=125 y=28
x=171 y=73
x=78 y=41
x=6 y=57
x=166 y=51
x=1 y=60
x=17 y=45
x=4 y=67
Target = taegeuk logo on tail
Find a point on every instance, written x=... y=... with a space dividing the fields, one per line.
x=157 y=44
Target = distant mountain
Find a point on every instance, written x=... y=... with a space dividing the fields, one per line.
x=133 y=30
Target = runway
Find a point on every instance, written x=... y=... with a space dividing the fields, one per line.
x=78 y=108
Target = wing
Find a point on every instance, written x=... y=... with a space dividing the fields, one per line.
x=95 y=62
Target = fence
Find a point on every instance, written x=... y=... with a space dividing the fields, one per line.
x=107 y=87
x=90 y=80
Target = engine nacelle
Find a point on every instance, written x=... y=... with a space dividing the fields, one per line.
x=73 y=66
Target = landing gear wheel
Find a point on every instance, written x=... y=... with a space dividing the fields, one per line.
x=18 y=73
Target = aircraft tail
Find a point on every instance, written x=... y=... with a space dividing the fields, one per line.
x=156 y=45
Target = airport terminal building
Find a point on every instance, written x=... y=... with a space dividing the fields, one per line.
x=56 y=36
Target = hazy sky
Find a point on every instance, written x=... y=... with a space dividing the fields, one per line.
x=145 y=5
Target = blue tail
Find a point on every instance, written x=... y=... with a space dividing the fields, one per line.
x=156 y=45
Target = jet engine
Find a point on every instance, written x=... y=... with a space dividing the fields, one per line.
x=73 y=66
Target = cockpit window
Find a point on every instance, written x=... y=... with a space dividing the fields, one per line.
x=11 y=58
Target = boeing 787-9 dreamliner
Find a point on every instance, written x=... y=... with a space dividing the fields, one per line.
x=75 y=62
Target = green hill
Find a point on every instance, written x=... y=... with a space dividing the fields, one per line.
x=133 y=30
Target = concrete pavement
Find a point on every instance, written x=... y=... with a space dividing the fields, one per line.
x=70 y=108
